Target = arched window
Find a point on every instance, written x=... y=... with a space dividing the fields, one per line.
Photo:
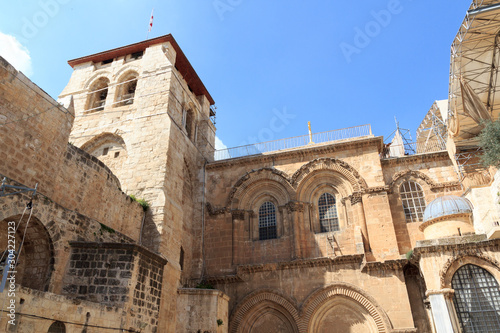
x=57 y=327
x=97 y=95
x=126 y=89
x=267 y=221
x=328 y=218
x=413 y=200
x=476 y=299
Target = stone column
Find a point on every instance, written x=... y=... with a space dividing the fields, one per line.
x=357 y=205
x=237 y=217
x=442 y=310
x=296 y=214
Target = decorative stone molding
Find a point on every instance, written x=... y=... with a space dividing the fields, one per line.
x=238 y=214
x=301 y=263
x=474 y=255
x=226 y=279
x=313 y=303
x=212 y=210
x=266 y=173
x=305 y=152
x=332 y=164
x=295 y=206
x=395 y=265
x=253 y=300
x=419 y=175
x=356 y=198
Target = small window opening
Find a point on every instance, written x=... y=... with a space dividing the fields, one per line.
x=137 y=55
x=267 y=221
x=190 y=89
x=181 y=259
x=107 y=61
x=105 y=151
x=117 y=154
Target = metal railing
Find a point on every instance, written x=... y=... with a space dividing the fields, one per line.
x=294 y=142
x=412 y=148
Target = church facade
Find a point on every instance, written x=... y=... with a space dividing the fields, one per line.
x=118 y=214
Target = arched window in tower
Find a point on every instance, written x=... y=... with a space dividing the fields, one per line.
x=413 y=200
x=267 y=221
x=57 y=327
x=97 y=95
x=328 y=218
x=188 y=123
x=126 y=89
x=476 y=299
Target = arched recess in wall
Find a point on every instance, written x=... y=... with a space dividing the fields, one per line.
x=97 y=94
x=258 y=188
x=479 y=259
x=343 y=308
x=261 y=181
x=126 y=87
x=333 y=178
x=36 y=261
x=264 y=311
x=110 y=148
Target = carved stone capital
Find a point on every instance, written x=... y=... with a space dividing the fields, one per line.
x=295 y=206
x=238 y=214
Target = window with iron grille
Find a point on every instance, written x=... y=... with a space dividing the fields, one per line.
x=267 y=221
x=328 y=218
x=476 y=299
x=413 y=200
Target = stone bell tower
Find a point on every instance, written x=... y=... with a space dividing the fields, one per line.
x=143 y=111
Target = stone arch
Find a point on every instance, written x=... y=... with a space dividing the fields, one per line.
x=259 y=181
x=98 y=90
x=357 y=183
x=401 y=176
x=457 y=261
x=125 y=87
x=108 y=147
x=96 y=76
x=342 y=294
x=258 y=304
x=36 y=259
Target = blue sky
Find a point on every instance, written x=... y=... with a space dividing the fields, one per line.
x=271 y=66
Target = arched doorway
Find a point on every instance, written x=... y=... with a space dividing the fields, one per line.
x=476 y=299
x=36 y=261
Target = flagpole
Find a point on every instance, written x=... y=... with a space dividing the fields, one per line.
x=150 y=23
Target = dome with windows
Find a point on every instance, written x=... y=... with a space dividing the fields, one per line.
x=445 y=206
x=447 y=216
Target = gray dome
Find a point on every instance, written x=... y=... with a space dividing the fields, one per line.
x=447 y=205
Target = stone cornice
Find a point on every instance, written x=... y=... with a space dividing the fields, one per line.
x=396 y=264
x=224 y=279
x=304 y=151
x=121 y=246
x=462 y=243
x=441 y=219
x=212 y=210
x=440 y=155
x=199 y=291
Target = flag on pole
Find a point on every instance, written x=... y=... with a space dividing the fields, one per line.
x=151 y=21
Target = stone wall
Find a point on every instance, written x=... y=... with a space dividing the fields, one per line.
x=202 y=310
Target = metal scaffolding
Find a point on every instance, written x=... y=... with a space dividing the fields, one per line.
x=474 y=63
x=433 y=128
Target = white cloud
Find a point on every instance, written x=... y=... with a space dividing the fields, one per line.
x=219 y=144
x=15 y=53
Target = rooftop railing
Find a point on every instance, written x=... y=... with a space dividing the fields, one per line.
x=294 y=142
x=412 y=148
